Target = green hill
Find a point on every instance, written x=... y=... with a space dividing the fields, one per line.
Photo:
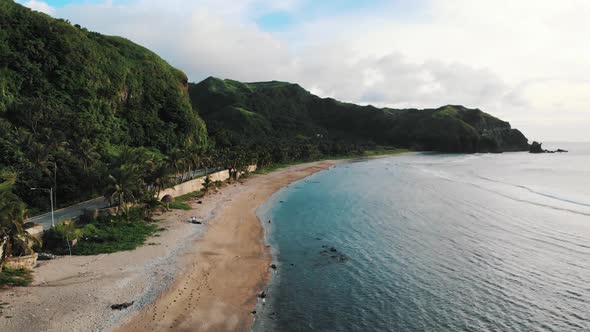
x=76 y=98
x=257 y=113
x=96 y=106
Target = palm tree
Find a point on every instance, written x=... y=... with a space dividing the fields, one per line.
x=177 y=161
x=136 y=174
x=87 y=153
x=161 y=178
x=196 y=160
x=118 y=193
x=123 y=189
x=12 y=216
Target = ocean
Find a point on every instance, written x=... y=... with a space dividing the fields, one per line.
x=433 y=242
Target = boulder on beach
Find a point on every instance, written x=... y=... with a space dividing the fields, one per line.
x=122 y=306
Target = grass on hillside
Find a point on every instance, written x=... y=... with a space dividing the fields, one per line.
x=15 y=277
x=365 y=154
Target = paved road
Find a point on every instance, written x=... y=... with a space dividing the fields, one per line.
x=69 y=212
x=97 y=203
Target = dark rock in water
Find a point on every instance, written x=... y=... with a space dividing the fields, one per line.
x=292 y=264
x=318 y=238
x=253 y=312
x=122 y=305
x=324 y=246
x=282 y=202
x=269 y=221
x=273 y=266
x=333 y=249
x=342 y=258
x=262 y=295
x=536 y=147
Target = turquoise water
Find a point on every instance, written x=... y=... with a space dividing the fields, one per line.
x=433 y=242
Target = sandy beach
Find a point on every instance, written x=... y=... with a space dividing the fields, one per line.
x=189 y=277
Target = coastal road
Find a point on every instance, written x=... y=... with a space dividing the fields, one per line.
x=69 y=212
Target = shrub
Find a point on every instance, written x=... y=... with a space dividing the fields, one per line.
x=56 y=238
x=15 y=277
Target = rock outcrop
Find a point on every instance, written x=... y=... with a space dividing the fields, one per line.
x=537 y=147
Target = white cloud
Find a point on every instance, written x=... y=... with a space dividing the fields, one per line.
x=40 y=6
x=524 y=61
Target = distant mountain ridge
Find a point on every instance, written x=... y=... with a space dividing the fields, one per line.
x=251 y=112
x=73 y=101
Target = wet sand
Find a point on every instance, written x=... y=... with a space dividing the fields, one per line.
x=186 y=278
x=218 y=289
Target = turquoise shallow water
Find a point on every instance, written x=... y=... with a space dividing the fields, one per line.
x=432 y=242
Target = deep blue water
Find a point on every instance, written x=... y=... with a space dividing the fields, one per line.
x=434 y=242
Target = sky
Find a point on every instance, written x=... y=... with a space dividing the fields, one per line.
x=524 y=61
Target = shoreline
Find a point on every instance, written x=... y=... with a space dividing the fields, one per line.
x=231 y=266
x=188 y=277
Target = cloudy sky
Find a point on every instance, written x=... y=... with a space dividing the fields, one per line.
x=525 y=61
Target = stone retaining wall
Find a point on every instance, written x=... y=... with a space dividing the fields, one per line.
x=23 y=262
x=197 y=184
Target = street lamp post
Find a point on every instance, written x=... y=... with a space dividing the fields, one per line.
x=50 y=190
x=55 y=182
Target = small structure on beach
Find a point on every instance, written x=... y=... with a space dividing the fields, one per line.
x=167 y=199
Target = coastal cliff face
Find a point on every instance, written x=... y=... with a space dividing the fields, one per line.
x=495 y=135
x=250 y=112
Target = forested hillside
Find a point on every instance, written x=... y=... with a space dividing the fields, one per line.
x=277 y=115
x=75 y=99
x=90 y=114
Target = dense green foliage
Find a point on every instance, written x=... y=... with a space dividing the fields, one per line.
x=88 y=114
x=107 y=234
x=14 y=240
x=290 y=123
x=71 y=100
x=12 y=277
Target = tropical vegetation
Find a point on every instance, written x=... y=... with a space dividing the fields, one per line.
x=103 y=235
x=280 y=122
x=71 y=100
x=14 y=240
x=91 y=115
